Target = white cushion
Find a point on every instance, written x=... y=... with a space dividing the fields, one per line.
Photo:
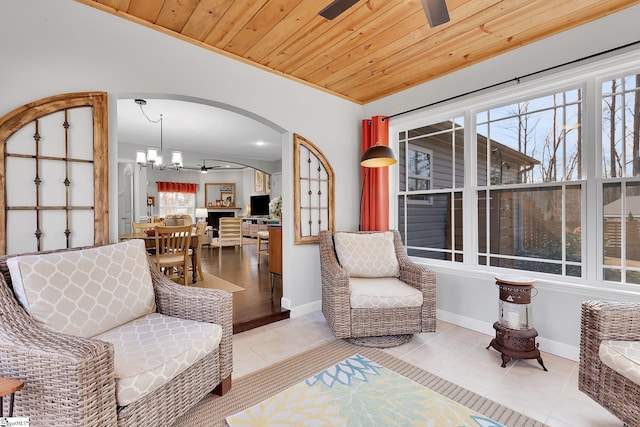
x=153 y=349
x=367 y=255
x=382 y=292
x=85 y=292
x=623 y=357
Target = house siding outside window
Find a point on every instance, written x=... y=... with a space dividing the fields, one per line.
x=429 y=206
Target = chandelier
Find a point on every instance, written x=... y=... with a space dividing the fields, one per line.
x=152 y=157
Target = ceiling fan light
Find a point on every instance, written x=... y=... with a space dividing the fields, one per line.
x=176 y=158
x=436 y=11
x=203 y=169
x=141 y=157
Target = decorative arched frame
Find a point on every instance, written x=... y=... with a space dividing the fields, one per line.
x=28 y=117
x=313 y=188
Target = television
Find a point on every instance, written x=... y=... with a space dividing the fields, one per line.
x=260 y=205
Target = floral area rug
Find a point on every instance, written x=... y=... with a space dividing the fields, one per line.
x=359 y=392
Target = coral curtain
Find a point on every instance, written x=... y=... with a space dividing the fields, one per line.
x=177 y=187
x=374 y=214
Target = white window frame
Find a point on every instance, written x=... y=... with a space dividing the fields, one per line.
x=589 y=77
x=562 y=183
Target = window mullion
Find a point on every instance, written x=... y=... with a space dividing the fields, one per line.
x=470 y=191
x=592 y=232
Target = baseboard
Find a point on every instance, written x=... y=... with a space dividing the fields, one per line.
x=305 y=308
x=546 y=345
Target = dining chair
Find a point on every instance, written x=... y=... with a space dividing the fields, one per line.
x=140 y=227
x=172 y=249
x=200 y=229
x=263 y=241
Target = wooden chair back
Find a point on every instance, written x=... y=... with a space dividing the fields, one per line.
x=140 y=227
x=200 y=229
x=172 y=248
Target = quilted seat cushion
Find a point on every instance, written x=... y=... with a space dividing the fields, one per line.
x=85 y=292
x=382 y=292
x=367 y=254
x=153 y=349
x=623 y=357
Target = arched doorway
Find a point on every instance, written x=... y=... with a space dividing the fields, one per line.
x=223 y=141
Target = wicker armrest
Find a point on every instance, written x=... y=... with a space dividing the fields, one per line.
x=607 y=320
x=335 y=288
x=66 y=377
x=603 y=320
x=329 y=264
x=204 y=305
x=418 y=276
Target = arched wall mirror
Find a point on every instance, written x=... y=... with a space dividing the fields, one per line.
x=220 y=194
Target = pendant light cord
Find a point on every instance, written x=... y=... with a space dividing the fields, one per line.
x=147 y=117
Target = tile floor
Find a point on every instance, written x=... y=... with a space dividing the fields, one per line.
x=454 y=353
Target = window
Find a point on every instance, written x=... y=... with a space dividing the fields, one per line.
x=529 y=208
x=176 y=198
x=621 y=179
x=176 y=204
x=542 y=170
x=429 y=207
x=419 y=168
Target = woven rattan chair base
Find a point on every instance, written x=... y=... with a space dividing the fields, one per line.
x=381 y=342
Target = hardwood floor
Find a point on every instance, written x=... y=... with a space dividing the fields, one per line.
x=253 y=307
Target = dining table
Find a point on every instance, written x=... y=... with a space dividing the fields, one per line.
x=150 y=243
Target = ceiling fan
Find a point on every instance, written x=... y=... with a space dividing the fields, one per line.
x=436 y=10
x=204 y=168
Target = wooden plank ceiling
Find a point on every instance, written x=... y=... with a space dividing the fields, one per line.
x=374 y=49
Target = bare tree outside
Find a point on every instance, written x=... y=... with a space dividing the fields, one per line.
x=533 y=227
x=621 y=196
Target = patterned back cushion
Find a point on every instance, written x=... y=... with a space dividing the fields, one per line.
x=85 y=292
x=367 y=255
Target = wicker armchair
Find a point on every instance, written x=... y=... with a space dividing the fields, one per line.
x=348 y=322
x=70 y=380
x=609 y=321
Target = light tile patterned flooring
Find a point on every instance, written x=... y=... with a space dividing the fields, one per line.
x=454 y=353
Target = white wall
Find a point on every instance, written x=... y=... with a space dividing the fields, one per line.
x=468 y=296
x=64 y=46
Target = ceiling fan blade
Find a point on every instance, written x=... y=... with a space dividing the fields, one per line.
x=336 y=8
x=436 y=11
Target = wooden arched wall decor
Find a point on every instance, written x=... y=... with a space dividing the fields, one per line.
x=313 y=189
x=48 y=150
